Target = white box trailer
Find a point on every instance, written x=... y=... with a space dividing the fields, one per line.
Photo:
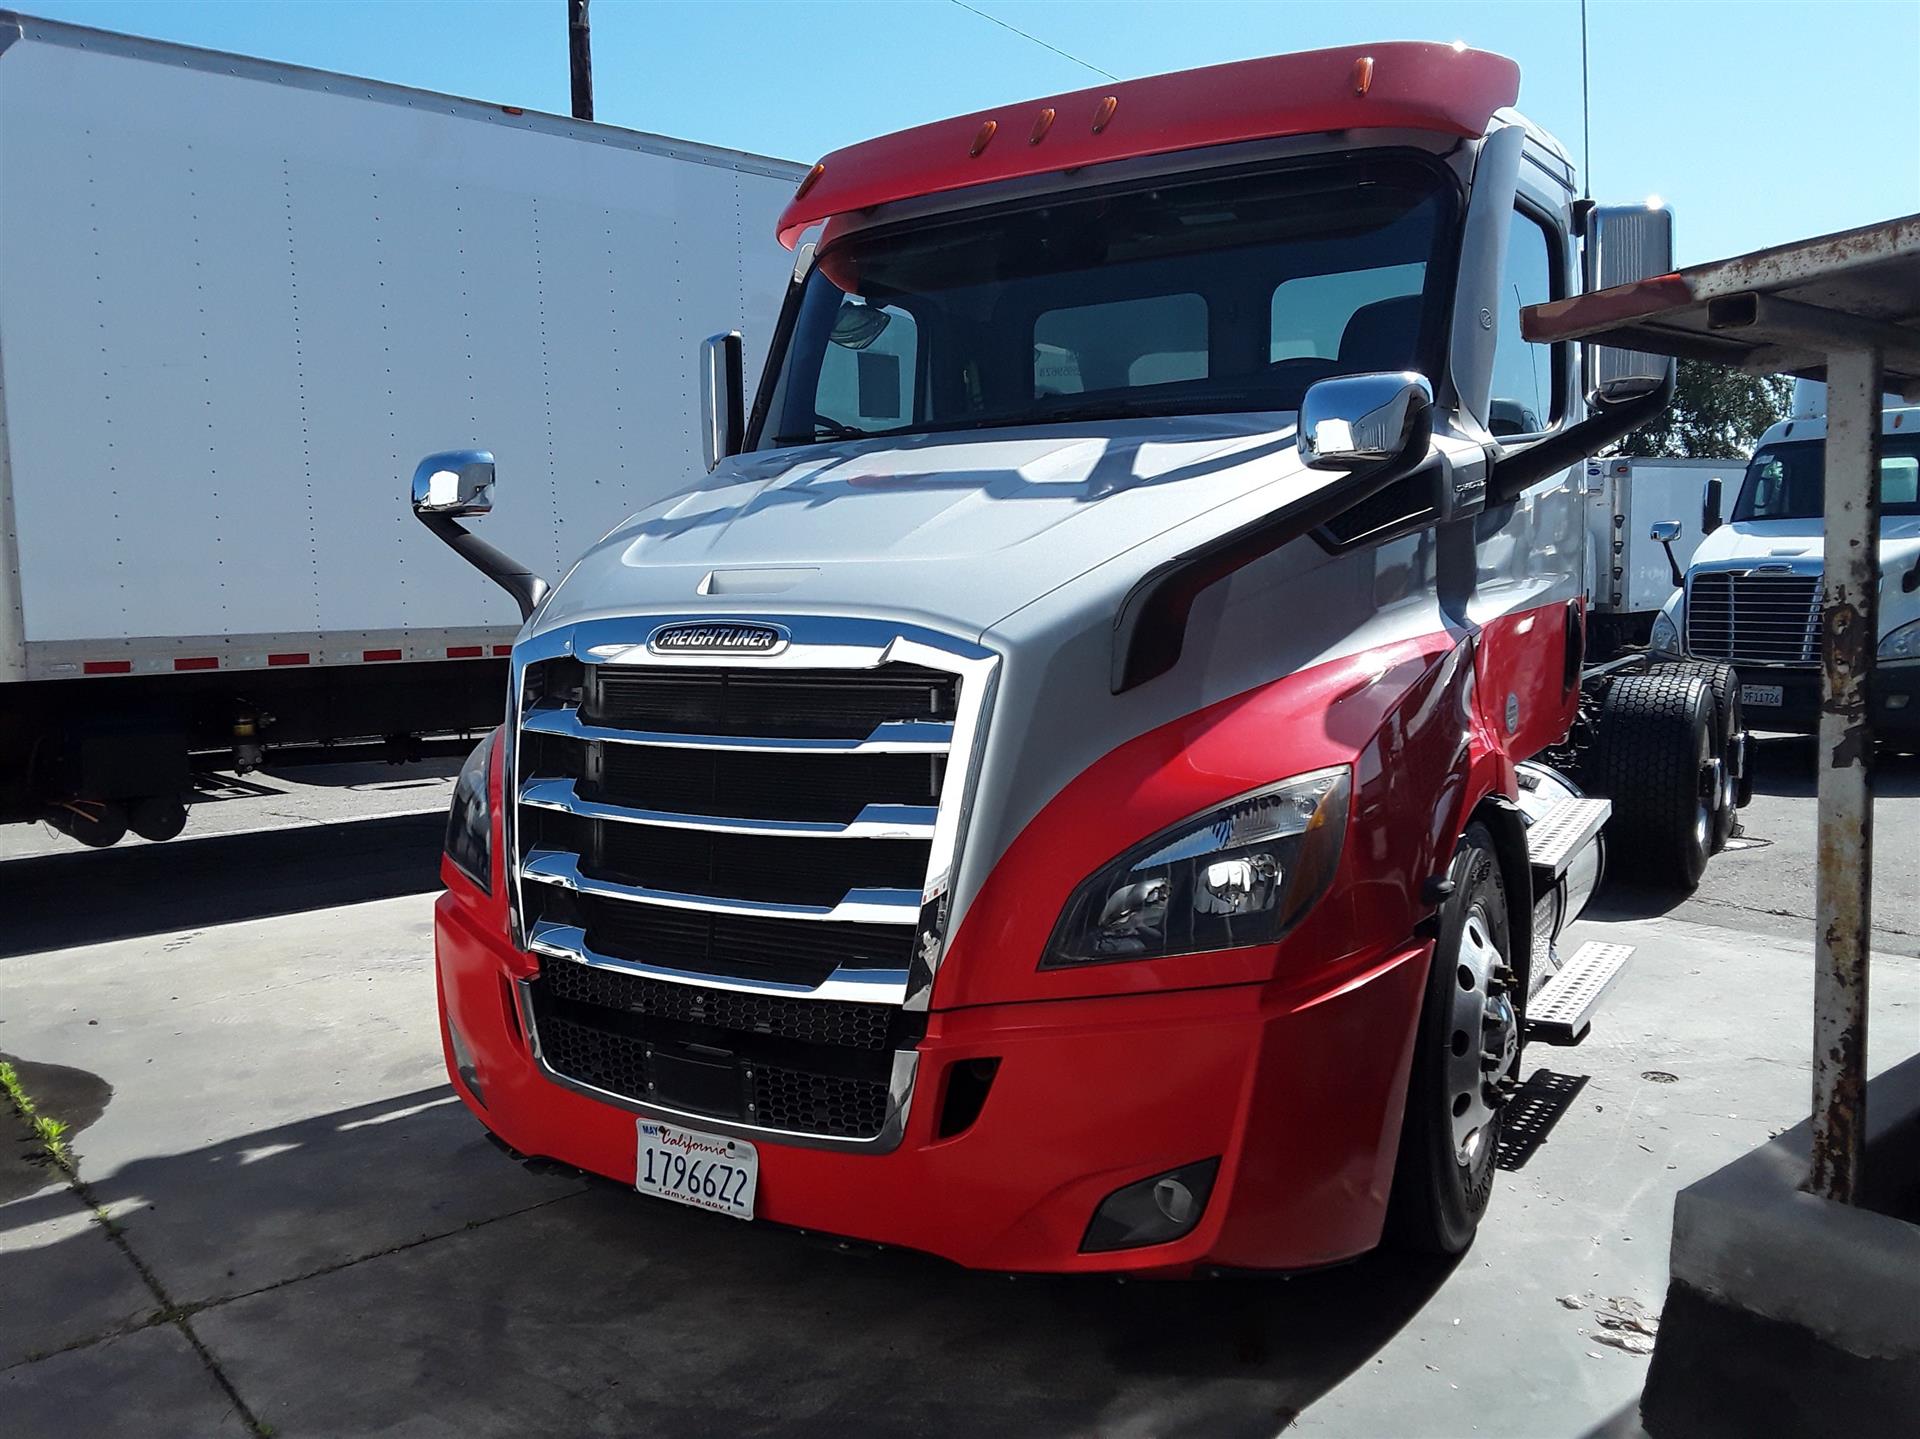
x=238 y=301
x=1632 y=580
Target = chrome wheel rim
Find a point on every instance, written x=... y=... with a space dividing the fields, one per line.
x=1481 y=1040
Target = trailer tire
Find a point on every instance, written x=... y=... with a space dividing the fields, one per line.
x=1728 y=725
x=158 y=817
x=1658 y=738
x=1443 y=1176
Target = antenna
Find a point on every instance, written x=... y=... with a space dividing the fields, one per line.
x=1586 y=120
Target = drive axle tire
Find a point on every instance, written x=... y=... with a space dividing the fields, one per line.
x=1465 y=1055
x=1728 y=724
x=1656 y=758
x=95 y=824
x=157 y=817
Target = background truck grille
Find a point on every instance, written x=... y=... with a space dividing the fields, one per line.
x=1760 y=618
x=720 y=822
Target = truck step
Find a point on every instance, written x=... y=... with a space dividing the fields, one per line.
x=1562 y=1012
x=1554 y=840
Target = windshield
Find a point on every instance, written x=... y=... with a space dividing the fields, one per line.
x=1217 y=293
x=1788 y=482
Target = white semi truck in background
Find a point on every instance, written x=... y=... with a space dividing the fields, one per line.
x=1632 y=572
x=236 y=300
x=1752 y=591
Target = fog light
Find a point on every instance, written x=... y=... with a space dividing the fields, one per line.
x=1152 y=1211
x=463 y=1064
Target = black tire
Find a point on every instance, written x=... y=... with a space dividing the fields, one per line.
x=1657 y=735
x=158 y=817
x=1440 y=1191
x=94 y=824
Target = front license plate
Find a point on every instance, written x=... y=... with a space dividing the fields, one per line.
x=1762 y=695
x=708 y=1171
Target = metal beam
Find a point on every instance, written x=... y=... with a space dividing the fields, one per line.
x=1780 y=325
x=1843 y=884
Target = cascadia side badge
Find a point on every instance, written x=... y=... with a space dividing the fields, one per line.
x=717 y=638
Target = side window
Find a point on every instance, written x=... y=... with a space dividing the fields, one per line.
x=1124 y=343
x=1311 y=317
x=867 y=377
x=1524 y=399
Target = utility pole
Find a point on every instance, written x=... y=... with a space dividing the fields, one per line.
x=580 y=57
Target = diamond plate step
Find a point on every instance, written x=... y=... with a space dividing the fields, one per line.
x=1562 y=1012
x=1552 y=842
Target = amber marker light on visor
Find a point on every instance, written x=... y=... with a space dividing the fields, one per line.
x=811 y=179
x=1103 y=116
x=1363 y=74
x=1041 y=125
x=983 y=139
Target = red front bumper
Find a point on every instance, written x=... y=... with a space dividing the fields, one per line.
x=1297 y=1090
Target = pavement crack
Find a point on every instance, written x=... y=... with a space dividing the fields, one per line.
x=51 y=1132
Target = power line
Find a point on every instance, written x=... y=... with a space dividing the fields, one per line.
x=1037 y=40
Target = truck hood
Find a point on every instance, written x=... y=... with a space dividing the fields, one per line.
x=950 y=530
x=1799 y=543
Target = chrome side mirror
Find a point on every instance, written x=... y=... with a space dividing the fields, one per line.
x=723 y=405
x=1665 y=531
x=1626 y=244
x=454 y=482
x=1351 y=420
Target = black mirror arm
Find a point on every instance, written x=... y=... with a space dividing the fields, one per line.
x=527 y=588
x=1673 y=565
x=1511 y=471
x=1150 y=627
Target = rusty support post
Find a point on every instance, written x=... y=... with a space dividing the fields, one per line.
x=1843 y=884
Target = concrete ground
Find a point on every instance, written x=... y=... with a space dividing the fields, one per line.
x=310 y=1236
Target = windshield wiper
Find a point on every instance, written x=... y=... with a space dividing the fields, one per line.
x=825 y=429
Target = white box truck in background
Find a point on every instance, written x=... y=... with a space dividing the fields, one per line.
x=237 y=301
x=1632 y=582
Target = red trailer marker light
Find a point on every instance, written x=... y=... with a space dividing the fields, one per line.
x=107 y=667
x=198 y=662
x=292 y=657
x=465 y=652
x=371 y=655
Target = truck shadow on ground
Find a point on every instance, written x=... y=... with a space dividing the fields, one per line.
x=503 y=1301
x=58 y=901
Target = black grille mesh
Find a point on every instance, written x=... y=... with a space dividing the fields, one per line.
x=783 y=704
x=807 y=1021
x=795 y=951
x=740 y=783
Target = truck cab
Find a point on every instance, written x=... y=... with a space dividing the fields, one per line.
x=1752 y=592
x=1065 y=791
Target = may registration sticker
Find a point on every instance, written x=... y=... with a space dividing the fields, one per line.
x=708 y=1171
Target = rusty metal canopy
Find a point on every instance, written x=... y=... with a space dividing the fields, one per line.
x=1778 y=311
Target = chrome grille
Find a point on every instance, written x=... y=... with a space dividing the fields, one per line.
x=728 y=870
x=1754 y=617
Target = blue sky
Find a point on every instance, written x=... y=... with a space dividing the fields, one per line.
x=1758 y=120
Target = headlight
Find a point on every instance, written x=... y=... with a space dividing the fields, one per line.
x=470 y=822
x=1666 y=634
x=1902 y=644
x=1240 y=874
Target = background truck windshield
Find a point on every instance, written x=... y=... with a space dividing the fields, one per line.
x=1788 y=482
x=1215 y=293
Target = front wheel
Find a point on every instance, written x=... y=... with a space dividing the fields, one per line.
x=1465 y=1057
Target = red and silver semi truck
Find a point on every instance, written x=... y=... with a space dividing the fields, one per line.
x=1094 y=776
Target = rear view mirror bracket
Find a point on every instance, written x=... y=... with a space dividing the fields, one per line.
x=1512 y=471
